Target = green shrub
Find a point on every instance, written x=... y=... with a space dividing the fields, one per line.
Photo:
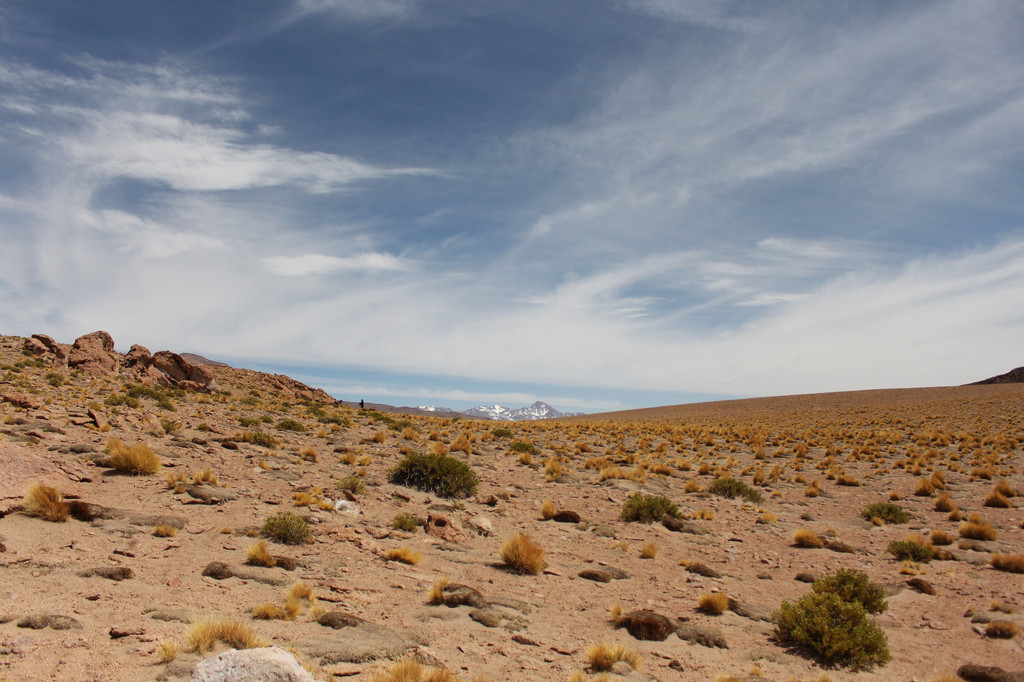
x=406 y=522
x=887 y=511
x=248 y=422
x=353 y=484
x=648 y=508
x=440 y=474
x=853 y=586
x=730 y=487
x=837 y=632
x=907 y=549
x=55 y=379
x=501 y=432
x=522 y=446
x=288 y=529
x=290 y=425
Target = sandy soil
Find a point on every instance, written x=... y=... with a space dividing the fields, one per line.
x=885 y=441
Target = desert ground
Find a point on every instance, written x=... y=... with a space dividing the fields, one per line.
x=117 y=590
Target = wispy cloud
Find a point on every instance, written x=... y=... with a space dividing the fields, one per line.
x=318 y=264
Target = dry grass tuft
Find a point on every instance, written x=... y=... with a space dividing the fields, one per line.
x=437 y=590
x=714 y=603
x=259 y=555
x=204 y=634
x=525 y=458
x=547 y=510
x=45 y=502
x=805 y=537
x=1012 y=563
x=649 y=551
x=138 y=459
x=270 y=611
x=403 y=554
x=944 y=503
x=1004 y=488
x=997 y=499
x=309 y=454
x=602 y=656
x=977 y=530
x=941 y=538
x=165 y=531
x=409 y=670
x=167 y=651
x=300 y=590
x=523 y=555
x=1002 y=629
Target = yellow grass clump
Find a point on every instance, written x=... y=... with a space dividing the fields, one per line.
x=941 y=538
x=271 y=611
x=602 y=656
x=714 y=603
x=521 y=554
x=409 y=670
x=45 y=502
x=525 y=458
x=461 y=444
x=204 y=634
x=167 y=651
x=1002 y=629
x=977 y=529
x=649 y=551
x=164 y=531
x=944 y=503
x=437 y=590
x=1012 y=563
x=997 y=499
x=547 y=510
x=138 y=459
x=804 y=537
x=259 y=555
x=404 y=555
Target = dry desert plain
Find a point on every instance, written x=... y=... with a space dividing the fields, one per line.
x=115 y=591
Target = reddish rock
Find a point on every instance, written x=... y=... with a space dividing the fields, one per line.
x=444 y=528
x=22 y=400
x=178 y=371
x=138 y=356
x=93 y=353
x=60 y=350
x=22 y=468
x=34 y=346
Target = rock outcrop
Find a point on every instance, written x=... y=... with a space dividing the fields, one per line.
x=94 y=353
x=251 y=664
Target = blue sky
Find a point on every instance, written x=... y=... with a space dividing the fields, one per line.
x=597 y=203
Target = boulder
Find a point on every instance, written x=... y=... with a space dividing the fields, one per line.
x=59 y=350
x=183 y=373
x=444 y=528
x=647 y=625
x=271 y=664
x=33 y=346
x=22 y=468
x=93 y=353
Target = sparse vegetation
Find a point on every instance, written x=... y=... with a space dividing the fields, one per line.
x=440 y=474
x=648 y=508
x=834 y=630
x=204 y=634
x=353 y=484
x=406 y=522
x=287 y=529
x=1012 y=563
x=886 y=511
x=910 y=550
x=404 y=555
x=713 y=603
x=731 y=487
x=602 y=656
x=259 y=555
x=807 y=538
x=853 y=586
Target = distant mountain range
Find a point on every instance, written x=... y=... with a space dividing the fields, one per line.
x=539 y=410
x=1014 y=376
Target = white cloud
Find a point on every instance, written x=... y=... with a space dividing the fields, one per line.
x=317 y=264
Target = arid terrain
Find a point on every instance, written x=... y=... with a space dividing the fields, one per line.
x=113 y=592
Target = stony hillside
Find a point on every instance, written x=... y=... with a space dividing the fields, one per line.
x=204 y=508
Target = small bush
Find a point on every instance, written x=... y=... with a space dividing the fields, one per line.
x=909 y=550
x=853 y=586
x=1013 y=563
x=944 y=503
x=887 y=511
x=731 y=487
x=164 y=531
x=997 y=499
x=522 y=446
x=287 y=529
x=353 y=484
x=440 y=474
x=941 y=537
x=290 y=425
x=837 y=632
x=406 y=522
x=648 y=508
x=501 y=432
x=46 y=502
x=523 y=555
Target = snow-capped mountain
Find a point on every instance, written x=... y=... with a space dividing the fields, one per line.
x=434 y=408
x=539 y=410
